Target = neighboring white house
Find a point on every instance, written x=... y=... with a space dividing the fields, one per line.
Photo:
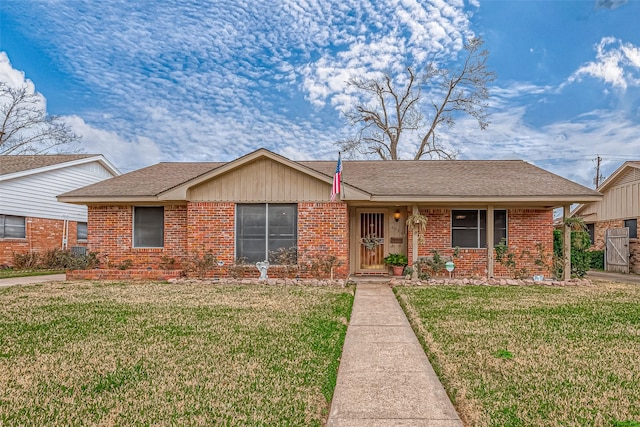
x=31 y=218
x=613 y=221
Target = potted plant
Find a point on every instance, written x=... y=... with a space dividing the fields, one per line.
x=397 y=263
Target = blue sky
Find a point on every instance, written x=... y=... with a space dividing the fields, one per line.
x=147 y=81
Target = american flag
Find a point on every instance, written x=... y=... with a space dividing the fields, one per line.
x=337 y=180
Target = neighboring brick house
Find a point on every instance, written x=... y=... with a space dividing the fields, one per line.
x=261 y=202
x=619 y=208
x=31 y=219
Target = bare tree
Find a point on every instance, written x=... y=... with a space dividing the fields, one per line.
x=25 y=127
x=396 y=109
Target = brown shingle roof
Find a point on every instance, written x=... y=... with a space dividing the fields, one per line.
x=19 y=163
x=463 y=178
x=455 y=178
x=149 y=181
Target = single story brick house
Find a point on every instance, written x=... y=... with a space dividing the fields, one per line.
x=262 y=202
x=619 y=209
x=31 y=219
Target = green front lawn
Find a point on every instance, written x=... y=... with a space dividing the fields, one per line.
x=163 y=354
x=533 y=356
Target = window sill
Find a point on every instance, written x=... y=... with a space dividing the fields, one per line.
x=14 y=239
x=147 y=249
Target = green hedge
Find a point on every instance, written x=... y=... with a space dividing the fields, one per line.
x=580 y=256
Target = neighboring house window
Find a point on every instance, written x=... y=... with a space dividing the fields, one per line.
x=12 y=227
x=633 y=227
x=148 y=227
x=262 y=229
x=82 y=231
x=469 y=228
x=591 y=231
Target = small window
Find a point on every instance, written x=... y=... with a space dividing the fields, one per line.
x=12 y=227
x=591 y=231
x=82 y=231
x=148 y=227
x=633 y=227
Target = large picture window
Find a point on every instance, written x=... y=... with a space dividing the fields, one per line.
x=469 y=228
x=12 y=227
x=148 y=226
x=262 y=229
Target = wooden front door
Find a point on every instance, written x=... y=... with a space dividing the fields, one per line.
x=371 y=245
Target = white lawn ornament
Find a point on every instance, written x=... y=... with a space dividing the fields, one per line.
x=262 y=266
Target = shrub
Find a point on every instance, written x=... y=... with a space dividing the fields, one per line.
x=201 y=265
x=25 y=260
x=597 y=260
x=55 y=259
x=287 y=258
x=239 y=267
x=580 y=256
x=322 y=265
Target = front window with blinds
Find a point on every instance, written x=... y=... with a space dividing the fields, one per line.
x=148 y=227
x=12 y=227
x=469 y=228
x=263 y=229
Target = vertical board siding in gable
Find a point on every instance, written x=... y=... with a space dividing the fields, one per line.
x=262 y=181
x=620 y=201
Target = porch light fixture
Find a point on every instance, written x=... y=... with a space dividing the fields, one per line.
x=396 y=215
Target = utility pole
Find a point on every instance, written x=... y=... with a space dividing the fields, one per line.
x=598 y=177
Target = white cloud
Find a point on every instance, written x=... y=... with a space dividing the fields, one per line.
x=126 y=155
x=15 y=78
x=12 y=77
x=617 y=64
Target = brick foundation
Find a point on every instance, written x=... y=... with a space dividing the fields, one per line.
x=42 y=234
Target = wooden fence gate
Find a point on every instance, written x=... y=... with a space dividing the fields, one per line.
x=617 y=250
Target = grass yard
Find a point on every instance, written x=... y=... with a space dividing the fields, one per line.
x=8 y=273
x=86 y=353
x=533 y=356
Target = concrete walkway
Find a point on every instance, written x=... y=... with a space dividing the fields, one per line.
x=385 y=378
x=613 y=277
x=30 y=280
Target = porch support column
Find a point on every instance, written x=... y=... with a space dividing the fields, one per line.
x=566 y=243
x=490 y=234
x=414 y=244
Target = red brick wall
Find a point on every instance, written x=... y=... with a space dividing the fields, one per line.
x=211 y=226
x=42 y=234
x=323 y=229
x=111 y=236
x=203 y=226
x=526 y=228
